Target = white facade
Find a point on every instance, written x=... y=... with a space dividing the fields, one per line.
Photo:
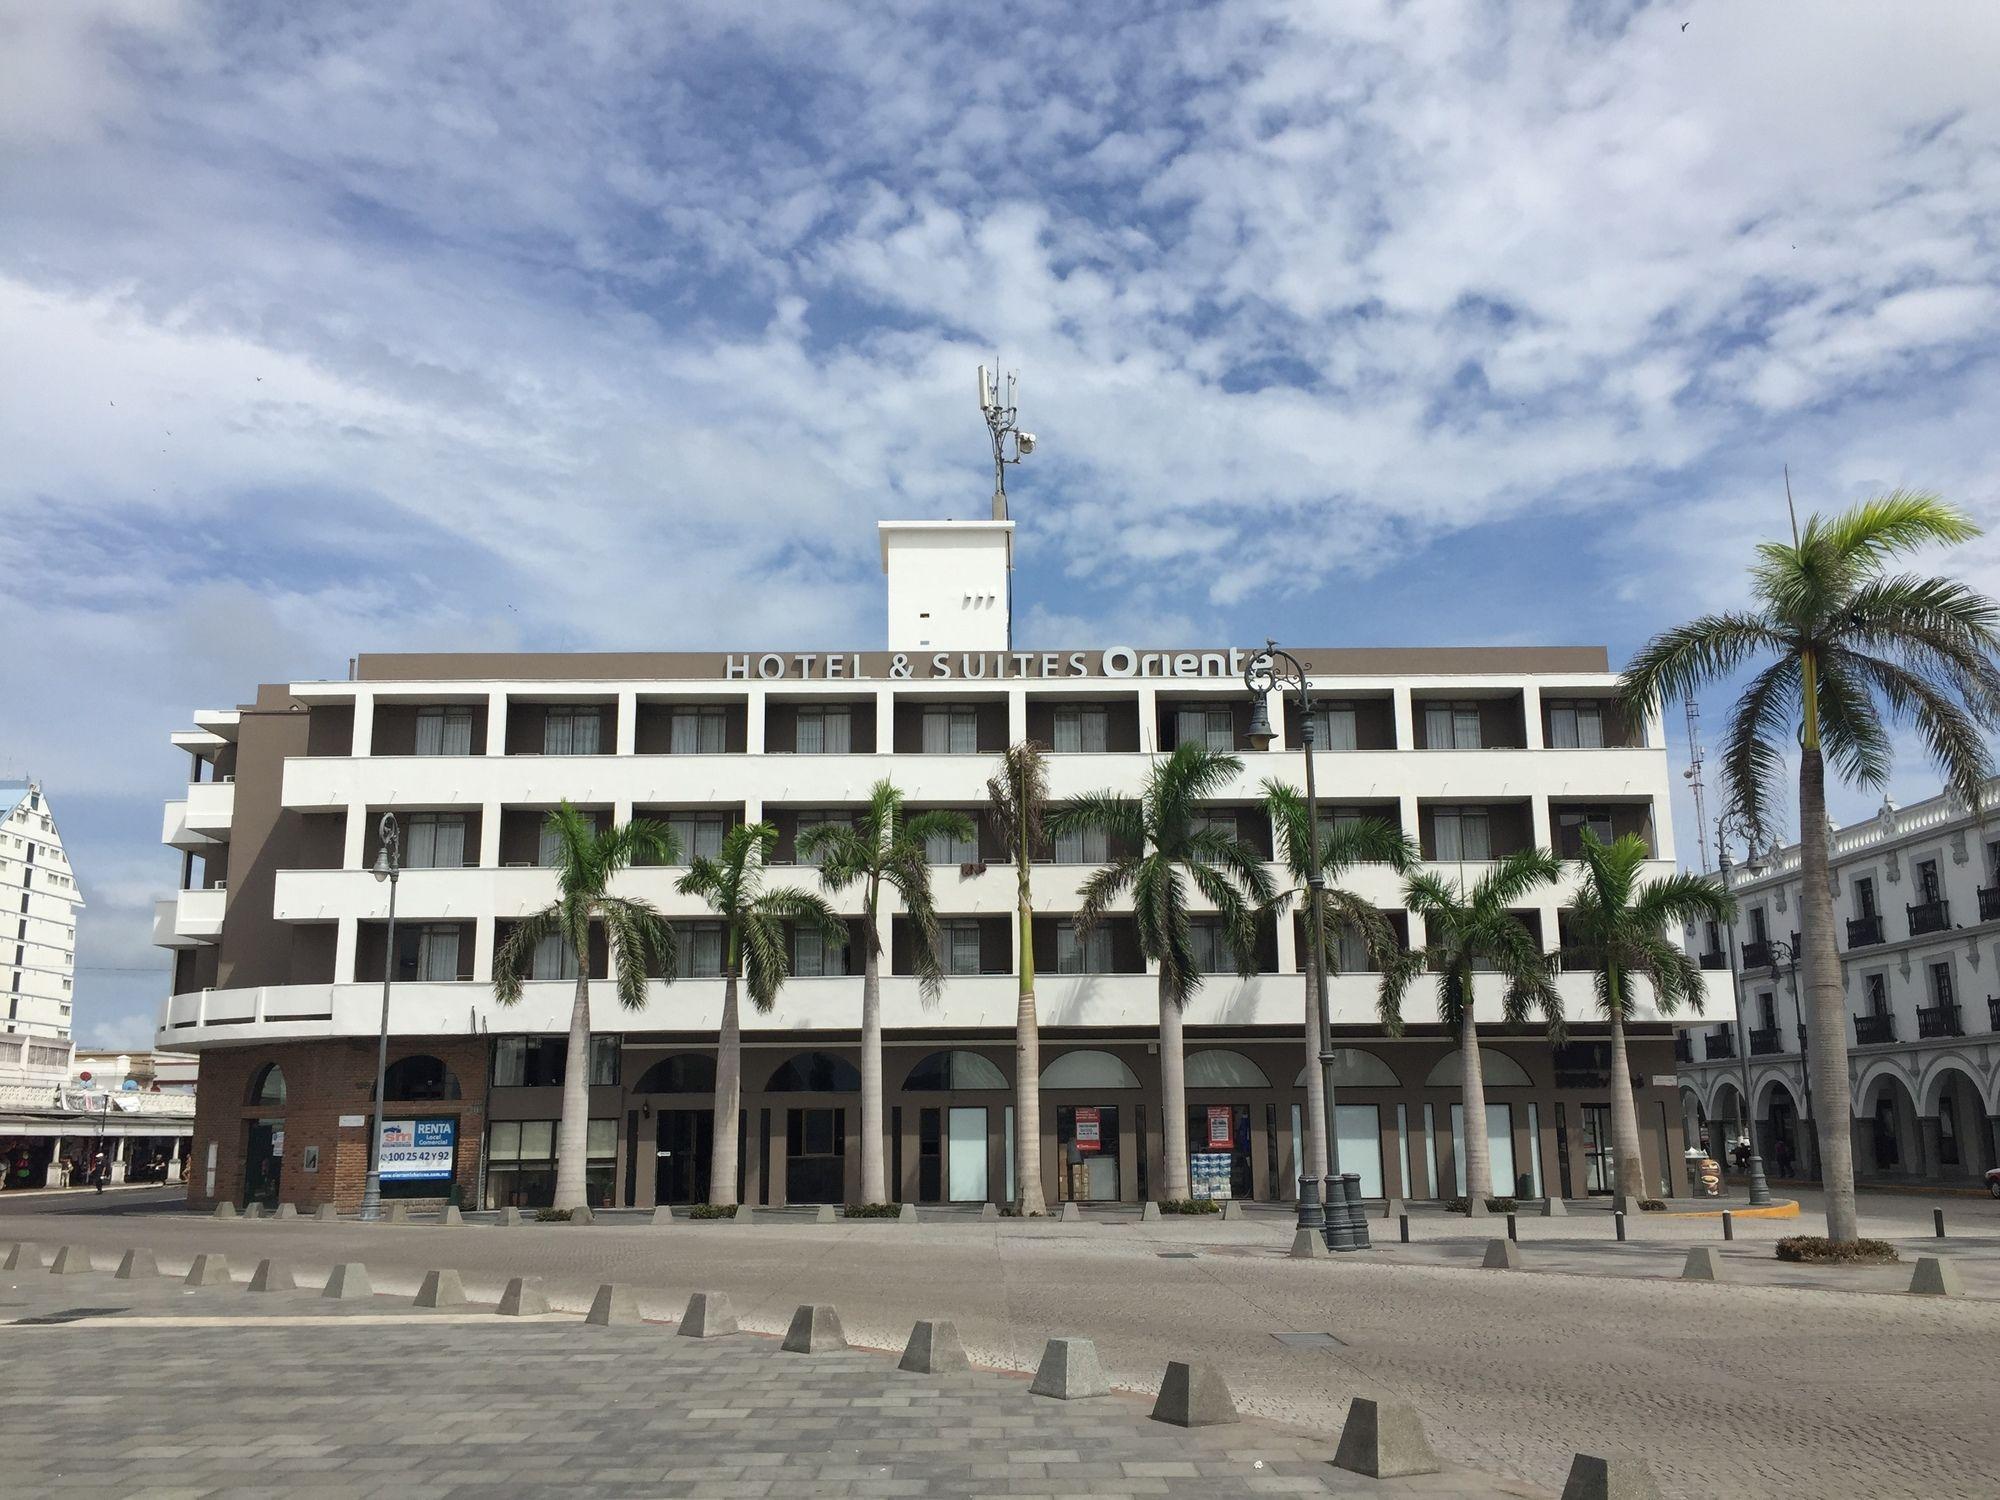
x=1917 y=919
x=39 y=900
x=947 y=584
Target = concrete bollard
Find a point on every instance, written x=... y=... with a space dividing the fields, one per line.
x=508 y=1218
x=71 y=1260
x=137 y=1265
x=1383 y=1442
x=934 y=1349
x=286 y=1211
x=225 y=1210
x=1475 y=1206
x=1403 y=1227
x=708 y=1316
x=613 y=1306
x=582 y=1215
x=208 y=1270
x=25 y=1256
x=273 y=1276
x=826 y=1214
x=1513 y=1227
x=1937 y=1222
x=348 y=1282
x=989 y=1211
x=1592 y=1478
x=1728 y=1225
x=1554 y=1208
x=440 y=1289
x=815 y=1330
x=1150 y=1214
x=326 y=1213
x=253 y=1210
x=1936 y=1277
x=1394 y=1208
x=1231 y=1209
x=1069 y=1371
x=1309 y=1244
x=1703 y=1264
x=1194 y=1395
x=744 y=1214
x=662 y=1215
x=1071 y=1214
x=1618 y=1223
x=394 y=1213
x=1502 y=1255
x=907 y=1214
x=523 y=1298
x=453 y=1214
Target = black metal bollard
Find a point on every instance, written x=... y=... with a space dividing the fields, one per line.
x=1513 y=1229
x=1618 y=1218
x=1403 y=1222
x=1728 y=1225
x=1937 y=1221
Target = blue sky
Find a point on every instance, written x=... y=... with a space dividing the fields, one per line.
x=365 y=327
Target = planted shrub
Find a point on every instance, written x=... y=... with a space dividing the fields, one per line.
x=1818 y=1250
x=1190 y=1206
x=1652 y=1206
x=712 y=1211
x=873 y=1210
x=552 y=1216
x=1493 y=1206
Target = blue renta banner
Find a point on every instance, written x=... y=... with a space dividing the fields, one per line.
x=418 y=1150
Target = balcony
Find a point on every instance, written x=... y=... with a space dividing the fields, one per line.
x=1939 y=1020
x=1864 y=932
x=1765 y=1042
x=189 y=918
x=1871 y=1031
x=1989 y=903
x=1756 y=955
x=1929 y=916
x=1684 y=1045
x=1718 y=1046
x=1715 y=960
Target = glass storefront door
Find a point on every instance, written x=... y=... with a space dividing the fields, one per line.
x=1216 y=1128
x=685 y=1149
x=263 y=1161
x=966 y=1158
x=1600 y=1160
x=1499 y=1148
x=815 y=1155
x=1087 y=1150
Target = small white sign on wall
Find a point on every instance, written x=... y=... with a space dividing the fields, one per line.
x=311 y=1155
x=353 y=1122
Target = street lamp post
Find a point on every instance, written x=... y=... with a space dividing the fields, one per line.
x=1790 y=963
x=386 y=868
x=1274 y=669
x=1760 y=1188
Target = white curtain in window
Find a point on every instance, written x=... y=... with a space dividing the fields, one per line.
x=1437 y=726
x=825 y=731
x=437 y=958
x=943 y=849
x=457 y=735
x=1335 y=727
x=1351 y=953
x=420 y=843
x=600 y=1140
x=449 y=835
x=1076 y=955
x=430 y=731
x=812 y=733
x=701 y=952
x=699 y=835
x=554 y=959
x=551 y=846
x=1589 y=726
x=808 y=952
x=696 y=731
x=559 y=733
x=1465 y=726
x=959 y=947
x=1461 y=833
x=1080 y=730
x=1210 y=946
x=1082 y=846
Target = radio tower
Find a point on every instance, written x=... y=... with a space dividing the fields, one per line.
x=1693 y=777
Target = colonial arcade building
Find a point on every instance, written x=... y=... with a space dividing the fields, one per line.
x=280 y=935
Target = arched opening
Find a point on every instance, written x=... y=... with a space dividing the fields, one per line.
x=1355 y=1068
x=1894 y=1145
x=1780 y=1130
x=953 y=1072
x=1086 y=1069
x=683 y=1073
x=267 y=1085
x=1498 y=1069
x=1954 y=1124
x=419 y=1077
x=815 y=1073
x=1219 y=1068
x=1090 y=1138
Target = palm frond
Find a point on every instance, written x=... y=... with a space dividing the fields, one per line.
x=515 y=952
x=1677 y=662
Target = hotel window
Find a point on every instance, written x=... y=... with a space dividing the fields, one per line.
x=1577 y=725
x=1217 y=820
x=553 y=958
x=698 y=834
x=697 y=731
x=809 y=820
x=528 y=1061
x=810 y=959
x=429 y=953
x=1451 y=726
x=435 y=841
x=1214 y=728
x=1080 y=955
x=700 y=951
x=1941 y=985
x=951 y=731
x=1350 y=954
x=825 y=731
x=1208 y=940
x=1864 y=896
x=1461 y=833
x=944 y=849
x=549 y=849
x=1333 y=727
x=571 y=731
x=444 y=731
x=958 y=947
x=1082 y=846
x=1571 y=826
x=1080 y=729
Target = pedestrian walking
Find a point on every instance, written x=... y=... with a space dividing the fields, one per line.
x=100 y=1170
x=1783 y=1152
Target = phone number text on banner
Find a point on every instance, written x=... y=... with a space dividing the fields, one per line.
x=418 y=1150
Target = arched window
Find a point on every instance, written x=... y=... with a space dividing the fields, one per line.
x=420 y=1076
x=267 y=1085
x=1498 y=1069
x=1354 y=1068
x=947 y=1072
x=815 y=1073
x=1088 y=1070
x=1219 y=1068
x=683 y=1073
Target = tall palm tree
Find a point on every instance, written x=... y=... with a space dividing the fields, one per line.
x=1367 y=840
x=1621 y=927
x=1160 y=845
x=1017 y=799
x=639 y=938
x=885 y=846
x=1467 y=930
x=754 y=952
x=1852 y=650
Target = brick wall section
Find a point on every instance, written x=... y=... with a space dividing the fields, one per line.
x=324 y=1081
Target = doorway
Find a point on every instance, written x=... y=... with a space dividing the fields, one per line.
x=1600 y=1160
x=263 y=1160
x=1215 y=1129
x=815 y=1156
x=683 y=1155
x=1087 y=1148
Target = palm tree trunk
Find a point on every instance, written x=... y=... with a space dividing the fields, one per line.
x=874 y=1180
x=573 y=1129
x=1826 y=1013
x=1624 y=1112
x=722 y=1156
x=1472 y=1105
x=1312 y=1155
x=1173 y=1101
x=1028 y=1196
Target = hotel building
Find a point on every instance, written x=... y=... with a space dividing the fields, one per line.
x=280 y=933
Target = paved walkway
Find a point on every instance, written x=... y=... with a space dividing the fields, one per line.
x=1748 y=1389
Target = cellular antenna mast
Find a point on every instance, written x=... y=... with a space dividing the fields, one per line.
x=1010 y=444
x=1694 y=779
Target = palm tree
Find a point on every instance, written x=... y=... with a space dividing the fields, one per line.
x=1620 y=928
x=885 y=847
x=640 y=941
x=754 y=951
x=1854 y=650
x=1160 y=845
x=1018 y=799
x=1369 y=840
x=1467 y=930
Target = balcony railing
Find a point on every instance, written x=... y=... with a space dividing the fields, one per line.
x=1869 y=1030
x=1718 y=1045
x=1938 y=1020
x=1764 y=1042
x=1684 y=1045
x=1756 y=955
x=1864 y=932
x=1716 y=960
x=1989 y=903
x=1929 y=916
